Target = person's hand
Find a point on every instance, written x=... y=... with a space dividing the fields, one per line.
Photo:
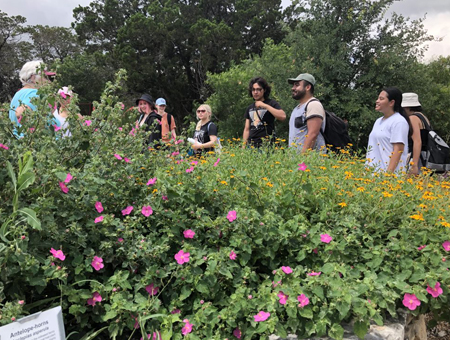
x=197 y=146
x=260 y=105
x=414 y=170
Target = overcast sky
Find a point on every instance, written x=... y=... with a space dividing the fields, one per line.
x=59 y=13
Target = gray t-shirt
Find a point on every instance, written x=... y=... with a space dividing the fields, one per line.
x=297 y=135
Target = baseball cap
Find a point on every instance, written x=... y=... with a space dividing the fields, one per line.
x=303 y=76
x=161 y=101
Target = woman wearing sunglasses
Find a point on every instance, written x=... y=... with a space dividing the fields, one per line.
x=205 y=135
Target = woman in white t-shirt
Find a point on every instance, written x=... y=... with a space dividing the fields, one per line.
x=388 y=141
x=62 y=112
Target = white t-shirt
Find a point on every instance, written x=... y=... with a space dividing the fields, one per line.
x=385 y=133
x=64 y=124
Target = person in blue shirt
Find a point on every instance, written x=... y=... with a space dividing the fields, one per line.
x=32 y=79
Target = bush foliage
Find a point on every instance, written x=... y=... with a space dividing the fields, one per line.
x=314 y=240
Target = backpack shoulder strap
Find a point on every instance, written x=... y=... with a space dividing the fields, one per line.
x=312 y=100
x=424 y=121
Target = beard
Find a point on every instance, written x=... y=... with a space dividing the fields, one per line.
x=298 y=95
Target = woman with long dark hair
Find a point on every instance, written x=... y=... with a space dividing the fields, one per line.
x=388 y=141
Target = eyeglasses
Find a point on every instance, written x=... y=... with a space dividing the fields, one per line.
x=201 y=111
x=257 y=90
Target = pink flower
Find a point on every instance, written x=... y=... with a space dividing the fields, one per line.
x=127 y=160
x=237 y=333
x=58 y=254
x=56 y=127
x=96 y=297
x=122 y=106
x=421 y=247
x=261 y=316
x=176 y=153
x=231 y=215
x=165 y=198
x=132 y=132
x=250 y=297
x=233 y=255
x=304 y=301
x=120 y=129
x=62 y=94
x=151 y=181
x=190 y=169
x=446 y=245
x=314 y=273
x=187 y=327
x=182 y=257
x=97 y=263
x=302 y=167
x=118 y=156
x=436 y=291
x=22 y=237
x=287 y=270
x=283 y=297
x=178 y=141
x=216 y=163
x=194 y=163
x=175 y=311
x=99 y=206
x=99 y=219
x=202 y=302
x=127 y=210
x=151 y=289
x=120 y=239
x=147 y=210
x=31 y=129
x=21 y=302
x=188 y=233
x=411 y=301
x=69 y=177
x=3 y=146
x=326 y=238
x=63 y=187
x=88 y=122
x=315 y=251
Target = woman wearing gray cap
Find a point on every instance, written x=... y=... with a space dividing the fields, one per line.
x=418 y=141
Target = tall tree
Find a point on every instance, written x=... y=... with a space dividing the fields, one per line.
x=13 y=54
x=169 y=46
x=51 y=43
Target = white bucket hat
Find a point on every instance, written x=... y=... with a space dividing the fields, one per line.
x=410 y=99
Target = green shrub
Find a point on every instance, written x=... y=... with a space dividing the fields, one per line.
x=117 y=270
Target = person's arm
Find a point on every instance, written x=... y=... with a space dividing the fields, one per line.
x=279 y=114
x=313 y=125
x=417 y=144
x=395 y=157
x=20 y=110
x=246 y=133
x=210 y=144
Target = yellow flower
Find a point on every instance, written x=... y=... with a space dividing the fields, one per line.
x=223 y=182
x=335 y=166
x=423 y=206
x=180 y=183
x=361 y=189
x=322 y=168
x=342 y=204
x=154 y=190
x=387 y=194
x=277 y=162
x=265 y=178
x=418 y=217
x=445 y=224
x=269 y=184
x=232 y=155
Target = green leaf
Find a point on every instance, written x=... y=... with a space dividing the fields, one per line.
x=319 y=292
x=360 y=328
x=202 y=288
x=336 y=332
x=225 y=271
x=185 y=292
x=11 y=174
x=32 y=220
x=281 y=331
x=306 y=312
x=109 y=315
x=343 y=308
x=327 y=268
x=25 y=180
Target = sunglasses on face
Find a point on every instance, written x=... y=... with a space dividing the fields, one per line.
x=201 y=111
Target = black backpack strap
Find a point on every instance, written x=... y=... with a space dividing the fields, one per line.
x=424 y=121
x=306 y=108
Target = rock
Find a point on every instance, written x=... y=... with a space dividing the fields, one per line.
x=404 y=327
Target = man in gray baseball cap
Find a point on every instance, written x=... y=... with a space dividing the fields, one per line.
x=308 y=117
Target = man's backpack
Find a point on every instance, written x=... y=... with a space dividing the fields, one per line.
x=437 y=154
x=335 y=132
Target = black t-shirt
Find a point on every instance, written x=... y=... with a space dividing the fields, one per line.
x=262 y=122
x=152 y=124
x=202 y=135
